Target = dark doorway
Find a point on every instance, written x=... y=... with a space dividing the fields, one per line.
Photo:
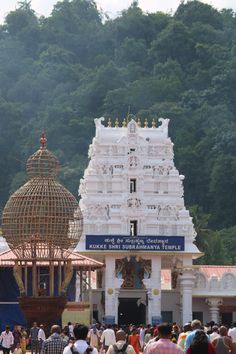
x=227 y=318
x=167 y=316
x=130 y=312
x=197 y=315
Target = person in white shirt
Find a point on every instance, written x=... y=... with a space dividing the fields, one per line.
x=108 y=337
x=80 y=346
x=141 y=336
x=71 y=329
x=214 y=334
x=121 y=345
x=232 y=335
x=7 y=340
x=41 y=337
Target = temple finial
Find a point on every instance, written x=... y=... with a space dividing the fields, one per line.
x=153 y=123
x=124 y=123
x=146 y=123
x=109 y=123
x=139 y=122
x=43 y=141
x=116 y=123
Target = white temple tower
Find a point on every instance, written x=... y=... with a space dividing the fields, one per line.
x=135 y=221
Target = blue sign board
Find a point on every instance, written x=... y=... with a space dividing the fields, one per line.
x=109 y=320
x=156 y=320
x=134 y=243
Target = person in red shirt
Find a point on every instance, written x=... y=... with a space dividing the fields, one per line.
x=134 y=340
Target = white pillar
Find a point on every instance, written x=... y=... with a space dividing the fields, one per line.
x=153 y=286
x=214 y=304
x=187 y=278
x=116 y=303
x=77 y=287
x=110 y=311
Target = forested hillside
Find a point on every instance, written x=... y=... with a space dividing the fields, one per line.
x=59 y=73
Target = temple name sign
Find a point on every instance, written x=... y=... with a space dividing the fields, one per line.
x=134 y=243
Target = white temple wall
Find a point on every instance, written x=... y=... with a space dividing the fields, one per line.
x=200 y=305
x=170 y=301
x=97 y=301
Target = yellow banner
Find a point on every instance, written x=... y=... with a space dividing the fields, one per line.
x=76 y=312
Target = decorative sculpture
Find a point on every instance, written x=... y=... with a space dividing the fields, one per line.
x=68 y=274
x=18 y=278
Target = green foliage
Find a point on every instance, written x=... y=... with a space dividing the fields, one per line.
x=208 y=241
x=59 y=73
x=197 y=12
x=175 y=43
x=228 y=237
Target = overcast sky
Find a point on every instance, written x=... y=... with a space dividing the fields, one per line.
x=112 y=7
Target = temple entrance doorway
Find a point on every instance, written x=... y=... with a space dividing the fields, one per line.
x=131 y=311
x=227 y=318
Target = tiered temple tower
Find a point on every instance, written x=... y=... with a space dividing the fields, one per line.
x=136 y=222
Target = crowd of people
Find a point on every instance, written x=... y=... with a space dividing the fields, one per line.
x=191 y=338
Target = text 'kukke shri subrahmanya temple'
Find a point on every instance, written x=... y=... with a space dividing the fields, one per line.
x=136 y=223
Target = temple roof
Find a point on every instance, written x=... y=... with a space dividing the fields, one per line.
x=217 y=270
x=8 y=258
x=207 y=270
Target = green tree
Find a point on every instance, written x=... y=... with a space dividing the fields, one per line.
x=198 y=12
x=175 y=43
x=223 y=190
x=23 y=25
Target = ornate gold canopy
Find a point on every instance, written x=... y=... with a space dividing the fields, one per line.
x=42 y=218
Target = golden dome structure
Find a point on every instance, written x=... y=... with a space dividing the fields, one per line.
x=42 y=218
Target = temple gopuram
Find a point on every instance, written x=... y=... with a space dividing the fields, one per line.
x=135 y=221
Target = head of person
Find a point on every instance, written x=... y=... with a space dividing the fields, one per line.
x=35 y=324
x=165 y=330
x=187 y=327
x=200 y=343
x=7 y=329
x=80 y=332
x=41 y=326
x=152 y=329
x=223 y=331
x=215 y=329
x=134 y=330
x=109 y=326
x=120 y=335
x=55 y=329
x=175 y=328
x=94 y=328
x=196 y=324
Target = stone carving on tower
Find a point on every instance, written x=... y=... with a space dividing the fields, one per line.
x=117 y=155
x=133 y=271
x=131 y=187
